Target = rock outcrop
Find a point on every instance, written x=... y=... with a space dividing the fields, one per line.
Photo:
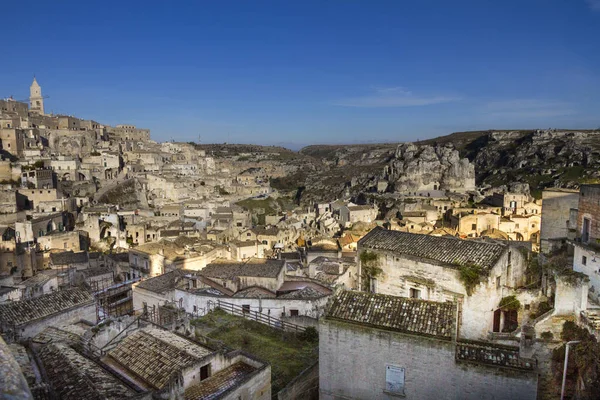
x=422 y=168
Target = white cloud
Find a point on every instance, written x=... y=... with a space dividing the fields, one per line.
x=393 y=97
x=593 y=4
x=528 y=108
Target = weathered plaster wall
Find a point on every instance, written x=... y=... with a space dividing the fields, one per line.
x=555 y=215
x=353 y=359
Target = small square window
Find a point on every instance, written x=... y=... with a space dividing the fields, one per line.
x=414 y=293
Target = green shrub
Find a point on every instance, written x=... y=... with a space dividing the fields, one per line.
x=510 y=303
x=547 y=335
x=470 y=276
x=310 y=334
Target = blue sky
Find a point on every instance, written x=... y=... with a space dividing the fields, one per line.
x=302 y=72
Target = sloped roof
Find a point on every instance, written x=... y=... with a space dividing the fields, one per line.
x=402 y=314
x=75 y=377
x=219 y=383
x=163 y=283
x=36 y=280
x=255 y=267
x=68 y=257
x=156 y=355
x=441 y=249
x=255 y=292
x=24 y=311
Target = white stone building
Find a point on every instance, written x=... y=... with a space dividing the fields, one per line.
x=383 y=347
x=430 y=267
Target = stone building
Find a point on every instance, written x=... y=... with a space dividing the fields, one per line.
x=555 y=227
x=352 y=214
x=38 y=179
x=11 y=140
x=175 y=367
x=72 y=376
x=429 y=267
x=587 y=244
x=10 y=107
x=381 y=347
x=36 y=100
x=472 y=224
x=26 y=318
x=129 y=132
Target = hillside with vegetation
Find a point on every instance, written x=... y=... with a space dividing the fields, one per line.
x=542 y=159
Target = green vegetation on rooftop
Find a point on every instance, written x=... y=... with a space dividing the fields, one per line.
x=288 y=353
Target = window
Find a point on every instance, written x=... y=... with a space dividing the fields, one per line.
x=585 y=233
x=497 y=282
x=517 y=226
x=293 y=313
x=473 y=227
x=205 y=372
x=65 y=245
x=584 y=260
x=195 y=309
x=414 y=293
x=246 y=308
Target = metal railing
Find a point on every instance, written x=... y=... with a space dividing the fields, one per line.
x=266 y=319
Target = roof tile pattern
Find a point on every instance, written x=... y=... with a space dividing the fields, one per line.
x=219 y=383
x=400 y=314
x=163 y=283
x=446 y=250
x=21 y=312
x=255 y=267
x=155 y=356
x=75 y=377
x=492 y=354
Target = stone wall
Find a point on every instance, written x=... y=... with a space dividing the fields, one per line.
x=273 y=307
x=353 y=360
x=589 y=207
x=556 y=205
x=86 y=312
x=402 y=273
x=304 y=386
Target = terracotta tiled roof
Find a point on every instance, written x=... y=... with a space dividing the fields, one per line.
x=75 y=377
x=163 y=283
x=255 y=292
x=37 y=280
x=400 y=314
x=21 y=312
x=219 y=383
x=445 y=250
x=68 y=257
x=155 y=355
x=492 y=354
x=256 y=267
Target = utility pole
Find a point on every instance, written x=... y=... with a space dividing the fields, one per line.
x=564 y=379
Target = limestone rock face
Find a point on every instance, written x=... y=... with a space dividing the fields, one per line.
x=419 y=168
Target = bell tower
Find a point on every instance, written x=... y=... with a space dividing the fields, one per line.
x=36 y=101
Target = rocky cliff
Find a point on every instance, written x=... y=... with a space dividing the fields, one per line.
x=540 y=159
x=418 y=168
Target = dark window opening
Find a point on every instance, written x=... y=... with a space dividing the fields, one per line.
x=205 y=372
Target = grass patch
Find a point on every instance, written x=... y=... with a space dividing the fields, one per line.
x=288 y=354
